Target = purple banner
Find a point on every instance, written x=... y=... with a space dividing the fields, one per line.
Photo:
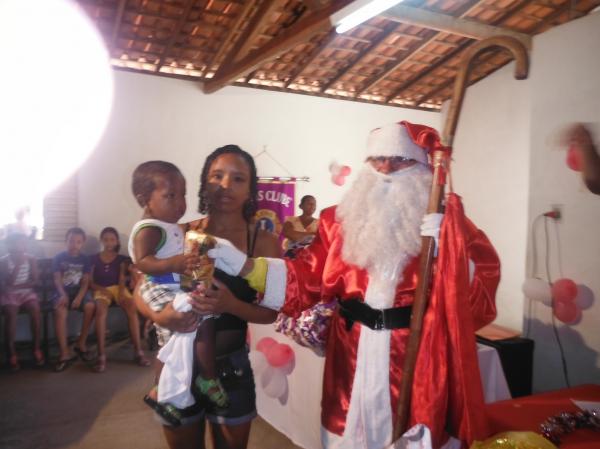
x=275 y=203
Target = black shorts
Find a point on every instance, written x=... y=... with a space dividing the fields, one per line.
x=236 y=375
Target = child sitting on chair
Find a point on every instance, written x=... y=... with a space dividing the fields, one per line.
x=156 y=247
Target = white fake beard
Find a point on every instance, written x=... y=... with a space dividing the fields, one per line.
x=381 y=217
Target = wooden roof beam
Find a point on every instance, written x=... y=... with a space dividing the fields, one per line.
x=407 y=84
x=266 y=9
x=249 y=33
x=117 y=24
x=431 y=37
x=301 y=31
x=450 y=24
x=231 y=33
x=178 y=27
x=364 y=52
x=311 y=57
x=484 y=59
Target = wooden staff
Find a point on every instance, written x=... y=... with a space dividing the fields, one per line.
x=440 y=159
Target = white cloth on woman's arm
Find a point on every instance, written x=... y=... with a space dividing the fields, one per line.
x=174 y=385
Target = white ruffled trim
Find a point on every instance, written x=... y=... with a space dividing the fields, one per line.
x=276 y=283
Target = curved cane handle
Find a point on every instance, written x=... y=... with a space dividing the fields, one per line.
x=519 y=53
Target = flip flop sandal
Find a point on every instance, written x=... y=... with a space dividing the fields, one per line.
x=13 y=364
x=213 y=389
x=166 y=411
x=38 y=357
x=141 y=360
x=86 y=356
x=100 y=365
x=61 y=365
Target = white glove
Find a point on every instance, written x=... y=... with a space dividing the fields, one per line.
x=431 y=227
x=227 y=257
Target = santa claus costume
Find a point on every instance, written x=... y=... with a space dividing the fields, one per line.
x=365 y=255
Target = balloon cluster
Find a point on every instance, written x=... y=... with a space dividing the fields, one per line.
x=272 y=362
x=339 y=173
x=566 y=298
x=564 y=423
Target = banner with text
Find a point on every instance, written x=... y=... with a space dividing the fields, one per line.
x=275 y=203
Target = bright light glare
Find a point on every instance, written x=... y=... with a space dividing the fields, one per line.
x=55 y=97
x=363 y=14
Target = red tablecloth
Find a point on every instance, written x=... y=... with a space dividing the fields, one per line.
x=527 y=413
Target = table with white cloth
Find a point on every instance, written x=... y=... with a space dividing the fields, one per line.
x=297 y=414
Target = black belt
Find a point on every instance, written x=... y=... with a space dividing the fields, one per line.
x=355 y=310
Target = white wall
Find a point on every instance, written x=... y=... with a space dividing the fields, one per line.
x=509 y=168
x=491 y=173
x=565 y=87
x=162 y=118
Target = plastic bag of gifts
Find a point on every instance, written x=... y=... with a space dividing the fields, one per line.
x=311 y=328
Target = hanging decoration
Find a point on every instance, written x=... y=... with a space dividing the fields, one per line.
x=275 y=198
x=339 y=173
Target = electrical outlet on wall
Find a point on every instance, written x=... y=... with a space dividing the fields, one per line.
x=557 y=209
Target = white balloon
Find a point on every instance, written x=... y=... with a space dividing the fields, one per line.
x=277 y=384
x=585 y=297
x=258 y=361
x=538 y=290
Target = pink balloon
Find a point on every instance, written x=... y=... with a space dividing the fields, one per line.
x=566 y=311
x=279 y=355
x=573 y=159
x=338 y=180
x=265 y=343
x=345 y=170
x=564 y=290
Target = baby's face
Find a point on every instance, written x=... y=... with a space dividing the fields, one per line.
x=167 y=201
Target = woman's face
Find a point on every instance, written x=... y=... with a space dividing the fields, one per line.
x=228 y=183
x=109 y=241
x=309 y=206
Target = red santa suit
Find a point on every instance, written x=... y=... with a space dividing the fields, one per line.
x=363 y=367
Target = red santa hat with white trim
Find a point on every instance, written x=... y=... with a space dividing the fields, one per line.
x=402 y=139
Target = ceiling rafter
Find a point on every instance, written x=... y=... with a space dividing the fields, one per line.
x=299 y=32
x=407 y=84
x=560 y=11
x=255 y=21
x=449 y=24
x=233 y=31
x=266 y=9
x=465 y=10
x=311 y=57
x=117 y=23
x=176 y=31
x=385 y=33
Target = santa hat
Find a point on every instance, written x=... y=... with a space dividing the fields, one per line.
x=402 y=139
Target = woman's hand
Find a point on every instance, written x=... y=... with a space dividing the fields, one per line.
x=177 y=321
x=168 y=317
x=214 y=300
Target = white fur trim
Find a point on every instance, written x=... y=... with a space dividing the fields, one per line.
x=369 y=419
x=276 y=282
x=393 y=140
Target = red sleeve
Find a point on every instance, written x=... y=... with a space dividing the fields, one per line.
x=305 y=272
x=482 y=296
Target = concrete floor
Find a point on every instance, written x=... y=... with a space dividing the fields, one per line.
x=80 y=409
